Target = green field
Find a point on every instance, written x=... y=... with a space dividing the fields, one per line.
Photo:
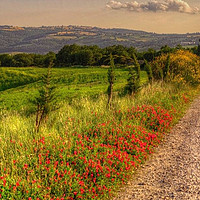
x=83 y=150
x=19 y=85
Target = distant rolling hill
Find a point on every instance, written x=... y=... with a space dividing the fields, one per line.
x=53 y=38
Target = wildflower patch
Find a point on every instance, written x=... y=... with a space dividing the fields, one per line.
x=89 y=164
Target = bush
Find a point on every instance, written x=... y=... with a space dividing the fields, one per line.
x=133 y=83
x=183 y=67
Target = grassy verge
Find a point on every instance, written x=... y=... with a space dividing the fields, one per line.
x=86 y=151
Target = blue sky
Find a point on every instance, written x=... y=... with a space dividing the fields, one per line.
x=163 y=17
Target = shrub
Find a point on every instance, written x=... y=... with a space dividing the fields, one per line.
x=46 y=101
x=182 y=67
x=148 y=69
x=133 y=83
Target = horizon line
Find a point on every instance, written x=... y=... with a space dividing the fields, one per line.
x=99 y=27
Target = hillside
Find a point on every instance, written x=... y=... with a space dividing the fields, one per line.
x=53 y=38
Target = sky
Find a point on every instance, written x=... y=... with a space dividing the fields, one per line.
x=160 y=16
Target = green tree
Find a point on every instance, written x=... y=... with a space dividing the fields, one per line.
x=7 y=60
x=119 y=52
x=166 y=70
x=66 y=56
x=148 y=69
x=178 y=47
x=160 y=72
x=111 y=79
x=132 y=82
x=198 y=50
x=149 y=55
x=97 y=58
x=84 y=57
x=137 y=65
x=23 y=60
x=47 y=98
x=131 y=51
x=49 y=59
x=166 y=49
x=38 y=60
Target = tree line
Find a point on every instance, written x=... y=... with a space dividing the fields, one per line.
x=26 y=60
x=71 y=55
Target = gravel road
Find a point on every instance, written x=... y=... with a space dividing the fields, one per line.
x=173 y=172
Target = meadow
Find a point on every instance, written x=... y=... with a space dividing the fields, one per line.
x=84 y=150
x=19 y=85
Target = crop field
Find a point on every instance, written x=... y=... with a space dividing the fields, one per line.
x=19 y=85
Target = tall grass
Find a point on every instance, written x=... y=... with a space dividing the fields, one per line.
x=17 y=126
x=20 y=146
x=20 y=128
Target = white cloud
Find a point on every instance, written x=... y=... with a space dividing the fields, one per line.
x=154 y=6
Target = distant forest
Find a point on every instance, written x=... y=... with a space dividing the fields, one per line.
x=73 y=55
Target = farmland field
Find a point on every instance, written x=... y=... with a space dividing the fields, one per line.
x=19 y=85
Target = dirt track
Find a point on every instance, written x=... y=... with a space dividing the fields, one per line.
x=173 y=172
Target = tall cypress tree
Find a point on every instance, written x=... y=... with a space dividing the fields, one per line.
x=149 y=71
x=132 y=82
x=137 y=65
x=111 y=79
x=47 y=98
x=160 y=75
x=166 y=71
